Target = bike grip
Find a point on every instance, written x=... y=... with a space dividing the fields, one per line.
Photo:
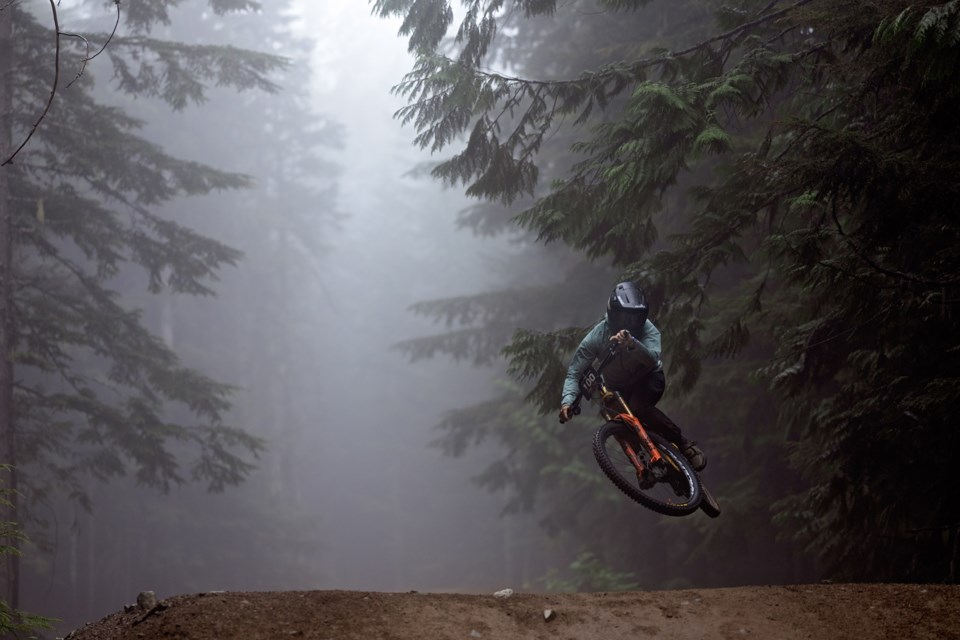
x=575 y=407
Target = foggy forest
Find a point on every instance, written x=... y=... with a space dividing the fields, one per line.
x=289 y=289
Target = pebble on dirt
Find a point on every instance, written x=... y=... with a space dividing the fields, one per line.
x=147 y=600
x=549 y=614
x=503 y=593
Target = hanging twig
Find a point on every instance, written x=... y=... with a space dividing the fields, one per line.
x=53 y=90
x=89 y=57
x=84 y=65
x=56 y=69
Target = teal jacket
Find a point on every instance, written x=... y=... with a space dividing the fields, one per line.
x=627 y=367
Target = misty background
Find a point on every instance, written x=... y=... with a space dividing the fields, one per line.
x=348 y=494
x=253 y=344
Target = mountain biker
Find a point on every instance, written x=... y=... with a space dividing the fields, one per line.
x=636 y=371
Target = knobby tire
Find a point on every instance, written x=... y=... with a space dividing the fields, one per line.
x=629 y=484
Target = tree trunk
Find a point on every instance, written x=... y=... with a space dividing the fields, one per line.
x=9 y=564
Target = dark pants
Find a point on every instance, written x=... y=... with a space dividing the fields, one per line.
x=642 y=397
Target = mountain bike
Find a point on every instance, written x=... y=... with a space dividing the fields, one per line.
x=644 y=465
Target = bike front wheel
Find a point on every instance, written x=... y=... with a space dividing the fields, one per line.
x=670 y=487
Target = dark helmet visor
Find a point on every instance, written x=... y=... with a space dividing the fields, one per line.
x=632 y=320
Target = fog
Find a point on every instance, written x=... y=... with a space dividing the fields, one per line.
x=394 y=509
x=348 y=494
x=221 y=259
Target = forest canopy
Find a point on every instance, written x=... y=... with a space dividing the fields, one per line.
x=781 y=178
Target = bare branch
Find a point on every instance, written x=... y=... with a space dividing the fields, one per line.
x=89 y=58
x=53 y=90
x=56 y=67
x=87 y=45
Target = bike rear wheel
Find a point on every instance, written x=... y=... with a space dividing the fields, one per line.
x=676 y=492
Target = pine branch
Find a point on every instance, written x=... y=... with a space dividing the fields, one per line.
x=633 y=68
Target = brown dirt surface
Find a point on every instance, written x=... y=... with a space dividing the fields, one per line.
x=820 y=611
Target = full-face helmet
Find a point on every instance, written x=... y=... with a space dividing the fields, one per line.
x=627 y=309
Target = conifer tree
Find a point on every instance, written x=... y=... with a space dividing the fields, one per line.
x=548 y=287
x=88 y=392
x=803 y=153
x=270 y=350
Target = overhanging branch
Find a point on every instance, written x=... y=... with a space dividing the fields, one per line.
x=53 y=90
x=56 y=69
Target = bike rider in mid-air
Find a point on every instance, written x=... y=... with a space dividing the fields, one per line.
x=636 y=371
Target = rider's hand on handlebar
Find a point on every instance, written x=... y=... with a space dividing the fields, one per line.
x=622 y=339
x=566 y=413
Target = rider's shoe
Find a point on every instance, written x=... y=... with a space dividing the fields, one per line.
x=697 y=458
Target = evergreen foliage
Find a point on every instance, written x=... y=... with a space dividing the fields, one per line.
x=267 y=350
x=803 y=157
x=15 y=623
x=96 y=393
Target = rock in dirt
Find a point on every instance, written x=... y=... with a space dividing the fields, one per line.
x=503 y=593
x=147 y=600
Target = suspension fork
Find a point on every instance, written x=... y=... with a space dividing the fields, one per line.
x=626 y=416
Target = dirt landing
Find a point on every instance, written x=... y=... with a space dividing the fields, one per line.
x=823 y=612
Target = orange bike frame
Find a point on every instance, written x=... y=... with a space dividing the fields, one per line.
x=626 y=416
